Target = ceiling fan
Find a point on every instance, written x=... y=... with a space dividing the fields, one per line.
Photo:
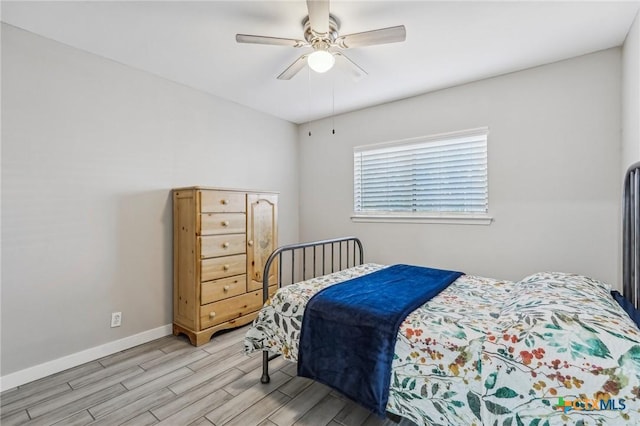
x=321 y=33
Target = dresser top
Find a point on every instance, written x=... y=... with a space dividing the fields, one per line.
x=213 y=188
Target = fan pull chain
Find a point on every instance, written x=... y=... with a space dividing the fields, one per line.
x=333 y=104
x=309 y=99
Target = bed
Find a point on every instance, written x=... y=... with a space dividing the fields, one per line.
x=551 y=348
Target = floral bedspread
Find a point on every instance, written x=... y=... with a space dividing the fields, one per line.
x=552 y=349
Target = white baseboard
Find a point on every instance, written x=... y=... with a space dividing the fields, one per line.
x=55 y=366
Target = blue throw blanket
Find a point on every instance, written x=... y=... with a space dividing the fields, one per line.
x=349 y=330
x=628 y=307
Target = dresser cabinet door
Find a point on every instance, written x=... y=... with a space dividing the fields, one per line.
x=262 y=220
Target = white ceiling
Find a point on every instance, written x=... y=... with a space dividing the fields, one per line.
x=448 y=43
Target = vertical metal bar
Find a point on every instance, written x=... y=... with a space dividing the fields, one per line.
x=626 y=237
x=354 y=253
x=324 y=246
x=340 y=254
x=280 y=270
x=293 y=265
x=631 y=243
x=332 y=257
x=304 y=263
x=314 y=262
x=636 y=236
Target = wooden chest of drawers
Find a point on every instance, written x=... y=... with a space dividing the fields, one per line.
x=221 y=240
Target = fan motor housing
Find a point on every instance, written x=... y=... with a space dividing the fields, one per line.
x=312 y=37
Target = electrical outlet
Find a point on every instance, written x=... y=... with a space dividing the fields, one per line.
x=116 y=319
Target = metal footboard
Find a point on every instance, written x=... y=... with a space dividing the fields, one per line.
x=631 y=236
x=305 y=261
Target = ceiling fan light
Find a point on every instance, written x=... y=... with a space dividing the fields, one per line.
x=321 y=61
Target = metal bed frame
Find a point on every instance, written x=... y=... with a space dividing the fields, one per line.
x=314 y=259
x=631 y=236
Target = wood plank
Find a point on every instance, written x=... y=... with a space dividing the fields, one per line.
x=259 y=412
x=81 y=418
x=177 y=342
x=247 y=398
x=112 y=369
x=249 y=379
x=224 y=340
x=15 y=419
x=210 y=359
x=135 y=408
x=206 y=374
x=53 y=380
x=162 y=369
x=374 y=420
x=30 y=398
x=64 y=411
x=144 y=419
x=197 y=409
x=296 y=385
x=183 y=350
x=135 y=351
x=291 y=369
x=298 y=406
x=322 y=413
x=352 y=414
x=202 y=421
x=195 y=394
x=127 y=398
x=252 y=362
x=70 y=398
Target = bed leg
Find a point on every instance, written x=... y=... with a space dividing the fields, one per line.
x=265 y=367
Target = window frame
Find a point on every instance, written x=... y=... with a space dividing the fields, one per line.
x=460 y=218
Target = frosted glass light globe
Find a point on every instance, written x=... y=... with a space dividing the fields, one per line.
x=321 y=61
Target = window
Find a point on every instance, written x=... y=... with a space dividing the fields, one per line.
x=441 y=178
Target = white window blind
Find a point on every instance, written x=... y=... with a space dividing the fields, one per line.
x=435 y=174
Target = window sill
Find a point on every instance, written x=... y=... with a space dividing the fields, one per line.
x=451 y=219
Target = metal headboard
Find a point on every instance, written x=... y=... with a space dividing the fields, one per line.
x=313 y=259
x=631 y=236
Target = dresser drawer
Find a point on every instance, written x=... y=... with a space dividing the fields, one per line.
x=221 y=267
x=223 y=288
x=222 y=202
x=223 y=223
x=228 y=309
x=222 y=245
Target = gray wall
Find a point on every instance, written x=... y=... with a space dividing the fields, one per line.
x=554 y=163
x=631 y=96
x=90 y=151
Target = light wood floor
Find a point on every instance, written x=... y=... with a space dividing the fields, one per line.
x=169 y=382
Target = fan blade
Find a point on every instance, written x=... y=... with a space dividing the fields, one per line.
x=357 y=69
x=319 y=15
x=294 y=68
x=368 y=38
x=256 y=39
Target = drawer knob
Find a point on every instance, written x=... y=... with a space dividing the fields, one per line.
x=225 y=245
x=212 y=315
x=250 y=243
x=225 y=267
x=225 y=288
x=225 y=202
x=225 y=223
